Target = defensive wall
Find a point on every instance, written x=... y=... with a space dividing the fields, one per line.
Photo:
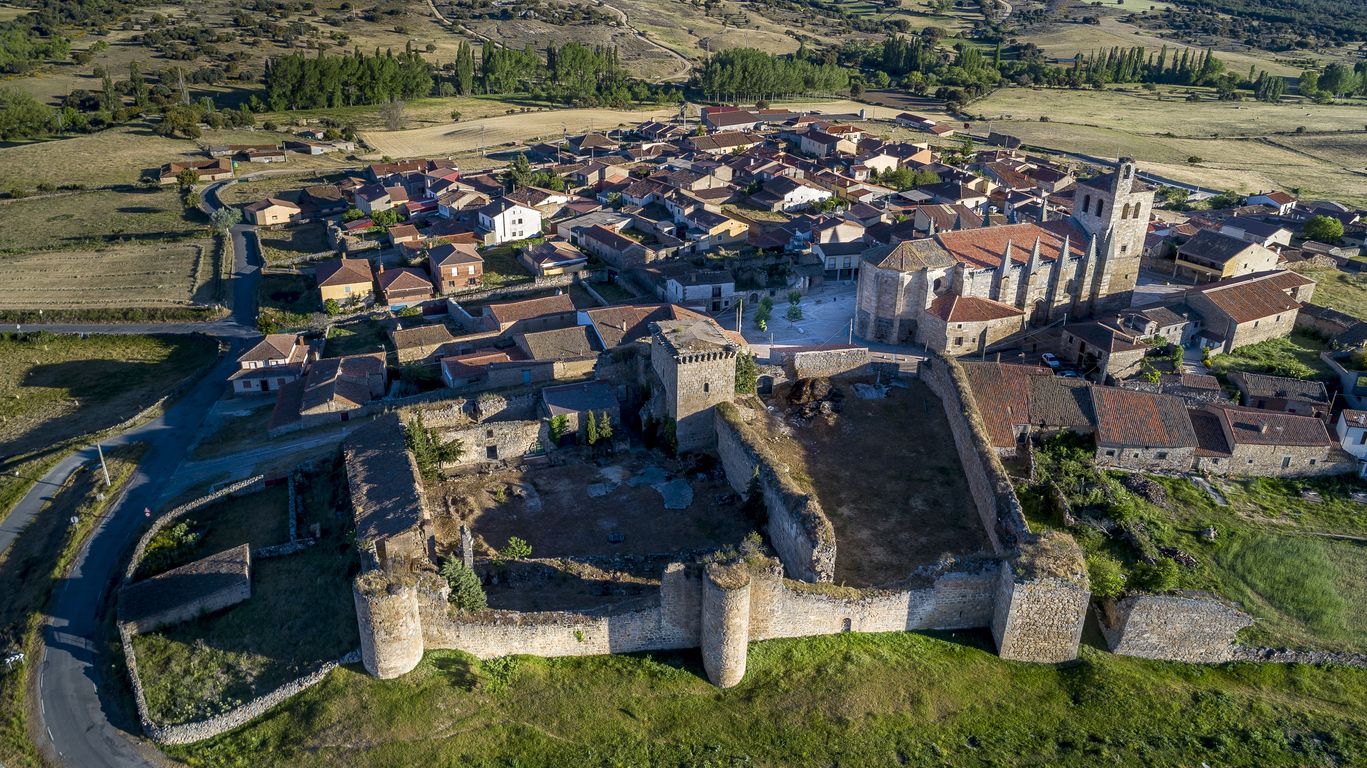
x=798 y=529
x=1000 y=510
x=1191 y=627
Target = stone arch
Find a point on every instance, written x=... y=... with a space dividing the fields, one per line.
x=1086 y=203
x=1100 y=206
x=1125 y=212
x=1039 y=313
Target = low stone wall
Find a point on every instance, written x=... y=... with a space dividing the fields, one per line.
x=996 y=500
x=497 y=441
x=189 y=733
x=250 y=485
x=1191 y=628
x=798 y=528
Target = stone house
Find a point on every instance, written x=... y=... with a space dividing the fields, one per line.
x=1268 y=234
x=1249 y=309
x=1214 y=255
x=530 y=315
x=712 y=290
x=1174 y=323
x=333 y=390
x=1142 y=431
x=1279 y=393
x=206 y=585
x=389 y=505
x=575 y=401
x=552 y=258
x=422 y=343
x=209 y=170
x=1016 y=401
x=1250 y=442
x=1104 y=348
x=961 y=325
x=618 y=250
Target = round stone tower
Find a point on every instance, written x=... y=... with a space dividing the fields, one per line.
x=389 y=623
x=725 y=623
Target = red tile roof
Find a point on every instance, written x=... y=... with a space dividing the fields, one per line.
x=984 y=247
x=953 y=308
x=1141 y=419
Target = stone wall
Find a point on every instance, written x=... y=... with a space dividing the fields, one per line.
x=798 y=528
x=250 y=485
x=725 y=635
x=497 y=441
x=811 y=363
x=1139 y=459
x=993 y=495
x=1190 y=628
x=209 y=584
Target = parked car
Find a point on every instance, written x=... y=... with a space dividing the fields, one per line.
x=1050 y=360
x=1069 y=373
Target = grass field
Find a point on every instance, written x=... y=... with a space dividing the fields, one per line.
x=300 y=612
x=289 y=243
x=29 y=571
x=492 y=132
x=1289 y=561
x=103 y=216
x=1339 y=290
x=1297 y=356
x=53 y=388
x=358 y=337
x=172 y=274
x=848 y=700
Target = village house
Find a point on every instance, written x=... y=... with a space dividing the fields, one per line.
x=1271 y=235
x=1249 y=309
x=708 y=290
x=1351 y=430
x=455 y=266
x=1279 y=393
x=505 y=220
x=1174 y=323
x=208 y=170
x=423 y=343
x=271 y=212
x=334 y=390
x=1281 y=201
x=1211 y=256
x=551 y=258
x=402 y=286
x=1103 y=348
x=1017 y=401
x=1251 y=442
x=274 y=362
x=782 y=193
x=346 y=281
x=1142 y=431
x=530 y=315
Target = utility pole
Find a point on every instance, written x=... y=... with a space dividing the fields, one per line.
x=103 y=466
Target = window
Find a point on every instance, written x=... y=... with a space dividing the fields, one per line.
x=1110 y=451
x=1100 y=206
x=1086 y=203
x=1286 y=462
x=1362 y=438
x=958 y=341
x=489 y=433
x=346 y=289
x=1126 y=212
x=491 y=452
x=1161 y=455
x=706 y=387
x=1124 y=248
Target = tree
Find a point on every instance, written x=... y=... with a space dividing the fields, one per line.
x=332 y=308
x=591 y=429
x=467 y=592
x=560 y=426
x=794 y=313
x=225 y=218
x=519 y=173
x=747 y=373
x=392 y=112
x=190 y=200
x=429 y=452
x=1325 y=229
x=187 y=178
x=605 y=427
x=515 y=549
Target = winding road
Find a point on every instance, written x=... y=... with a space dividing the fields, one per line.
x=77 y=723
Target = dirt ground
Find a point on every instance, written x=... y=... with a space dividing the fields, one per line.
x=887 y=475
x=580 y=510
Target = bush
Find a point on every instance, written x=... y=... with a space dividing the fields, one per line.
x=1106 y=575
x=1160 y=576
x=332 y=308
x=747 y=373
x=516 y=549
x=467 y=593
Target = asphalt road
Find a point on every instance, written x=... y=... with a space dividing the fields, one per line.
x=84 y=729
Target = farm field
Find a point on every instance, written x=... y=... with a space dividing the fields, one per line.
x=88 y=218
x=178 y=274
x=492 y=132
x=56 y=387
x=850 y=699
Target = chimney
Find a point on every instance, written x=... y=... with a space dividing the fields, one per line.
x=1262 y=429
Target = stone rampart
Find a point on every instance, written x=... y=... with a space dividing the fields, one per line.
x=1041 y=601
x=993 y=495
x=806 y=363
x=798 y=528
x=390 y=626
x=1192 y=627
x=497 y=441
x=725 y=635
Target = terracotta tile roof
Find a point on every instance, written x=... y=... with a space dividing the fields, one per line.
x=1252 y=297
x=451 y=254
x=510 y=312
x=625 y=323
x=276 y=346
x=404 y=279
x=343 y=272
x=1210 y=436
x=1141 y=420
x=477 y=363
x=1252 y=426
x=953 y=308
x=342 y=383
x=984 y=247
x=1011 y=396
x=1214 y=247
x=420 y=342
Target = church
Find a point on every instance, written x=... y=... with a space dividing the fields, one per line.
x=962 y=291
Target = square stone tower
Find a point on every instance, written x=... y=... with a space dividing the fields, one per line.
x=695 y=361
x=1115 y=208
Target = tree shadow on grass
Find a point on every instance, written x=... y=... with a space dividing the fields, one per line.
x=93 y=384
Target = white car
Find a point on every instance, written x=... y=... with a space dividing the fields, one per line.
x=1050 y=360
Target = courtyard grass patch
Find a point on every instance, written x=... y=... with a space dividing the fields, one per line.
x=849 y=699
x=1344 y=291
x=359 y=337
x=501 y=266
x=1296 y=356
x=287 y=301
x=300 y=613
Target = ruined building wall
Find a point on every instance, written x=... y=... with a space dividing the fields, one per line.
x=725 y=635
x=798 y=528
x=497 y=440
x=1000 y=510
x=1038 y=619
x=1188 y=628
